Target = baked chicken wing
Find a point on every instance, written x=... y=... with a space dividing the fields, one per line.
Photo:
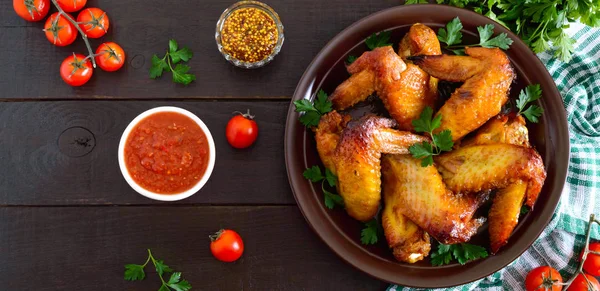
x=419 y=193
x=492 y=166
x=487 y=76
x=404 y=88
x=506 y=206
x=327 y=136
x=357 y=161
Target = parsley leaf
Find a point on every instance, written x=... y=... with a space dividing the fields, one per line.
x=463 y=253
x=181 y=286
x=351 y=59
x=378 y=40
x=415 y=2
x=134 y=272
x=501 y=41
x=451 y=35
x=526 y=96
x=158 y=67
x=310 y=118
x=175 y=283
x=331 y=199
x=524 y=210
x=443 y=256
x=184 y=54
x=181 y=76
x=313 y=111
x=369 y=234
x=331 y=178
x=441 y=141
x=173 y=56
x=161 y=268
x=313 y=174
x=322 y=104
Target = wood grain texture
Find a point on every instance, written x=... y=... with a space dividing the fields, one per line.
x=86 y=248
x=36 y=172
x=143 y=28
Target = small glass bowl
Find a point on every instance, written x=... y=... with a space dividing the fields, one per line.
x=262 y=7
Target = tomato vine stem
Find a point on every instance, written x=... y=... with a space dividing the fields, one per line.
x=586 y=251
x=83 y=35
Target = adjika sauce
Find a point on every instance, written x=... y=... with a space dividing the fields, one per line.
x=166 y=153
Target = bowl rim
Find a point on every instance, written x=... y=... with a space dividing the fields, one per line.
x=347 y=248
x=167 y=197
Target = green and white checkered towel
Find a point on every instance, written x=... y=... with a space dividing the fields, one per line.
x=579 y=84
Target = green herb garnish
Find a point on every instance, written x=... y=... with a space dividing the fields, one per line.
x=452 y=37
x=315 y=175
x=463 y=253
x=134 y=272
x=441 y=141
x=378 y=40
x=370 y=234
x=313 y=111
x=173 y=56
x=351 y=59
x=540 y=24
x=528 y=95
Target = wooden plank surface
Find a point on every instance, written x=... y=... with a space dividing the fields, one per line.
x=30 y=63
x=86 y=248
x=41 y=165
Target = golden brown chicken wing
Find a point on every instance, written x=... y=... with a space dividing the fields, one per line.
x=501 y=129
x=420 y=194
x=492 y=166
x=327 y=136
x=409 y=243
x=487 y=75
x=405 y=89
x=420 y=40
x=506 y=206
x=504 y=213
x=357 y=162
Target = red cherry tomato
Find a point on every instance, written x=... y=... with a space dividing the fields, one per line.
x=110 y=56
x=592 y=262
x=580 y=284
x=543 y=278
x=32 y=10
x=94 y=22
x=241 y=130
x=226 y=245
x=59 y=31
x=75 y=71
x=71 y=5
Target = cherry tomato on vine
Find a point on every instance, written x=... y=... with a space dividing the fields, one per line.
x=226 y=245
x=94 y=22
x=110 y=56
x=543 y=278
x=76 y=70
x=71 y=5
x=580 y=284
x=59 y=31
x=32 y=10
x=241 y=131
x=592 y=262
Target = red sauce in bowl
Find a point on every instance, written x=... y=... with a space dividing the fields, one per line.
x=166 y=153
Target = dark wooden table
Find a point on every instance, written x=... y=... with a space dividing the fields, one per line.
x=68 y=219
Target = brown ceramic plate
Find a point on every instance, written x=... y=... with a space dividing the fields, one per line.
x=342 y=233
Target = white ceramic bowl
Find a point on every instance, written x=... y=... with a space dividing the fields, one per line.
x=167 y=197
